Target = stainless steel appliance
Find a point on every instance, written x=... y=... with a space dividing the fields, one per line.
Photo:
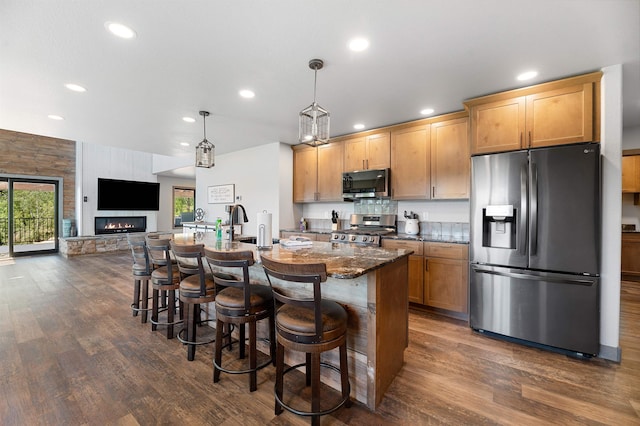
x=366 y=229
x=535 y=246
x=366 y=184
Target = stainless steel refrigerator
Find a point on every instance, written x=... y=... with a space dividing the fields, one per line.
x=535 y=246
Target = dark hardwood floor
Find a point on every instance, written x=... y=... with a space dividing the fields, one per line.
x=72 y=354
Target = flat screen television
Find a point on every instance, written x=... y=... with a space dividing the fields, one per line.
x=114 y=194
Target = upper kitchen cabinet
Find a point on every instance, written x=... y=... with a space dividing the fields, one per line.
x=450 y=166
x=410 y=163
x=631 y=173
x=317 y=173
x=555 y=113
x=367 y=152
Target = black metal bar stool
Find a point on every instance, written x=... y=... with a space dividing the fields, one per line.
x=141 y=272
x=241 y=304
x=196 y=287
x=165 y=278
x=311 y=325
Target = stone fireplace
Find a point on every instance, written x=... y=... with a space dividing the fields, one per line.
x=120 y=224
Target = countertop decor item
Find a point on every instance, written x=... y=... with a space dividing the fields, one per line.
x=205 y=151
x=314 y=120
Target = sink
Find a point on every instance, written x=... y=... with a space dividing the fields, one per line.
x=253 y=240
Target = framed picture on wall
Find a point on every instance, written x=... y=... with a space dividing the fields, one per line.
x=221 y=194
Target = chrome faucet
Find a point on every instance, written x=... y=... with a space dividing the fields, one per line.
x=232 y=213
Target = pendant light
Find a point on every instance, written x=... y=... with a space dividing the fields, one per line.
x=205 y=151
x=314 y=120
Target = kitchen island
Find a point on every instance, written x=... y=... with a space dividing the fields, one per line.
x=371 y=283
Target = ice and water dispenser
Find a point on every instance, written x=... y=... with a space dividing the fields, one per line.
x=499 y=226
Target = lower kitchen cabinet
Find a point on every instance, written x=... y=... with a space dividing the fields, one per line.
x=438 y=274
x=630 y=259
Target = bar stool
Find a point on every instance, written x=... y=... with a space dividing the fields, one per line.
x=165 y=278
x=196 y=287
x=310 y=325
x=141 y=272
x=240 y=303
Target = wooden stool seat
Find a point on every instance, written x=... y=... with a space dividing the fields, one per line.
x=141 y=272
x=241 y=304
x=165 y=278
x=311 y=325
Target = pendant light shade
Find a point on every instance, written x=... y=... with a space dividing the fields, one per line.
x=205 y=151
x=314 y=120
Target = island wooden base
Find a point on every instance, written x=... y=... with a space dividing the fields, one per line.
x=377 y=304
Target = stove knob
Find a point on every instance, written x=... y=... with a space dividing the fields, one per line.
x=342 y=237
x=334 y=237
x=364 y=239
x=353 y=238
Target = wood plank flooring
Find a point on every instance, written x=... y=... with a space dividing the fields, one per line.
x=72 y=354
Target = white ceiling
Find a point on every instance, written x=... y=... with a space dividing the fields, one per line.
x=197 y=54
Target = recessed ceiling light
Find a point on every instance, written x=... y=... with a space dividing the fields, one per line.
x=184 y=143
x=246 y=93
x=189 y=119
x=358 y=44
x=120 y=30
x=427 y=111
x=358 y=126
x=527 y=75
x=55 y=117
x=75 y=87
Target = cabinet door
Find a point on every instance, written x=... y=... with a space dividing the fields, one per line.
x=450 y=165
x=355 y=152
x=410 y=163
x=379 y=151
x=305 y=175
x=631 y=173
x=498 y=126
x=330 y=172
x=445 y=284
x=416 y=277
x=630 y=259
x=560 y=116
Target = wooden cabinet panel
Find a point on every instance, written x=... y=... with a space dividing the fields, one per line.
x=323 y=237
x=498 y=126
x=317 y=173
x=367 y=152
x=631 y=173
x=355 y=152
x=450 y=164
x=554 y=113
x=560 y=116
x=416 y=266
x=330 y=172
x=446 y=251
x=630 y=258
x=445 y=284
x=305 y=175
x=410 y=163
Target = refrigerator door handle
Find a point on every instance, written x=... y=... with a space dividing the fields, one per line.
x=534 y=209
x=546 y=278
x=522 y=232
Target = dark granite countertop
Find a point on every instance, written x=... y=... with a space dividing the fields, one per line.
x=343 y=261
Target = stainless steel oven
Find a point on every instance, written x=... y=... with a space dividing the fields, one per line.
x=366 y=229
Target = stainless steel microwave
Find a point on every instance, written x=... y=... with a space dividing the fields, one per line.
x=366 y=184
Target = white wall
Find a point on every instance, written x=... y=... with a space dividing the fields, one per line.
x=611 y=146
x=96 y=161
x=262 y=177
x=165 y=215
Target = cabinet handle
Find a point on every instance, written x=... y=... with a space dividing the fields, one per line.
x=363 y=165
x=520 y=139
x=529 y=138
x=433 y=192
x=367 y=164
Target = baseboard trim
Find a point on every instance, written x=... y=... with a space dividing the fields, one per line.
x=610 y=353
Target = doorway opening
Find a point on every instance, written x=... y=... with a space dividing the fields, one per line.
x=184 y=202
x=28 y=216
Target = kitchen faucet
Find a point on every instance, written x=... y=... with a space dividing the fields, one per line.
x=232 y=213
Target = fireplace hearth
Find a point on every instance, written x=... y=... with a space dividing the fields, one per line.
x=120 y=224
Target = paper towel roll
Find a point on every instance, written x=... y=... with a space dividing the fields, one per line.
x=264 y=237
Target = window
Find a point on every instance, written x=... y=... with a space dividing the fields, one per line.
x=184 y=201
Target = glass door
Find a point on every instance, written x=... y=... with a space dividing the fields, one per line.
x=28 y=216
